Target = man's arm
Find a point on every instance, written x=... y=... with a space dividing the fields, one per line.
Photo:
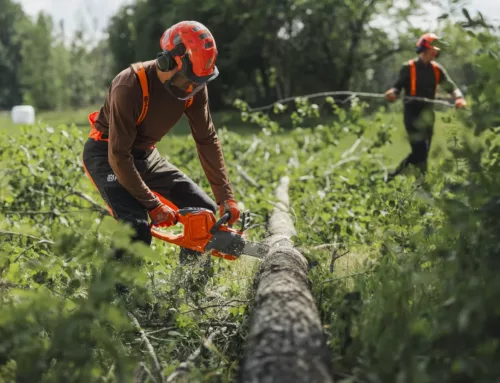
x=123 y=104
x=447 y=84
x=401 y=82
x=209 y=148
x=403 y=78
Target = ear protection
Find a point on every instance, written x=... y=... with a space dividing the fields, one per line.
x=165 y=60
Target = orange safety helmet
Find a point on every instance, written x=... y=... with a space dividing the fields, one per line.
x=189 y=47
x=427 y=42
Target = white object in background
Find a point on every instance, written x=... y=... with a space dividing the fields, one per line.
x=23 y=114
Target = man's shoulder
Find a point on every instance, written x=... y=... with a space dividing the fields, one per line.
x=407 y=63
x=439 y=65
x=127 y=76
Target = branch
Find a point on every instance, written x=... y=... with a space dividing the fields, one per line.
x=30 y=247
x=336 y=256
x=184 y=367
x=26 y=152
x=142 y=374
x=226 y=304
x=345 y=277
x=150 y=348
x=34 y=212
x=91 y=201
x=341 y=162
x=219 y=324
x=353 y=148
x=6 y=232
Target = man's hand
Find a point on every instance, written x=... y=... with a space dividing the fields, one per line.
x=163 y=216
x=231 y=207
x=391 y=95
x=460 y=103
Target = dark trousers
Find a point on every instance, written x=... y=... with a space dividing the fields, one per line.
x=419 y=124
x=158 y=174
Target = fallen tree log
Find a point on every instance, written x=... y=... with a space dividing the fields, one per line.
x=286 y=342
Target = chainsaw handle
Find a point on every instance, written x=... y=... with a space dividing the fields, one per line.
x=225 y=217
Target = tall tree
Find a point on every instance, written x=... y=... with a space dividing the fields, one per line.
x=11 y=17
x=39 y=75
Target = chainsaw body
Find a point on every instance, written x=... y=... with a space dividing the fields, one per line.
x=203 y=233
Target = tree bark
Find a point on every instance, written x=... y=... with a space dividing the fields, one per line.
x=286 y=342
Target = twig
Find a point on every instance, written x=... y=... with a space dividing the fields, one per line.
x=32 y=171
x=140 y=377
x=306 y=178
x=91 y=201
x=341 y=162
x=30 y=247
x=184 y=367
x=110 y=372
x=32 y=212
x=252 y=147
x=6 y=232
x=219 y=324
x=336 y=256
x=150 y=348
x=345 y=277
x=352 y=148
x=226 y=304
x=325 y=245
x=161 y=330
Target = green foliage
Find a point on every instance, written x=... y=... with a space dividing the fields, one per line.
x=273 y=49
x=405 y=274
x=67 y=320
x=424 y=311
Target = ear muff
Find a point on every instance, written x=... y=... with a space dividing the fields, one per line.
x=165 y=61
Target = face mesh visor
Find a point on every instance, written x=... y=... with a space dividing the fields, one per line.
x=183 y=88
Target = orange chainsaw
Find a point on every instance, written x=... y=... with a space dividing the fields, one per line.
x=204 y=234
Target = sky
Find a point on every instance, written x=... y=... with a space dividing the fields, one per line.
x=95 y=14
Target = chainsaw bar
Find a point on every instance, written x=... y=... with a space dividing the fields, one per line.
x=234 y=244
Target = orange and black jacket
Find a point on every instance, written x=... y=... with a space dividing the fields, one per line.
x=421 y=80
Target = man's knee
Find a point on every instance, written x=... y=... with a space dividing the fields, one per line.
x=142 y=231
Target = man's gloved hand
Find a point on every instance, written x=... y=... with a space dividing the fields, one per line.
x=460 y=103
x=163 y=216
x=232 y=207
x=391 y=95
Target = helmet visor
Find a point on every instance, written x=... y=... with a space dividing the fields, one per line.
x=183 y=87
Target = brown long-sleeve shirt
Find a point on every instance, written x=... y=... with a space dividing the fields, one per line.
x=117 y=118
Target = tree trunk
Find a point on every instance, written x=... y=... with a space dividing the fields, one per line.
x=286 y=341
